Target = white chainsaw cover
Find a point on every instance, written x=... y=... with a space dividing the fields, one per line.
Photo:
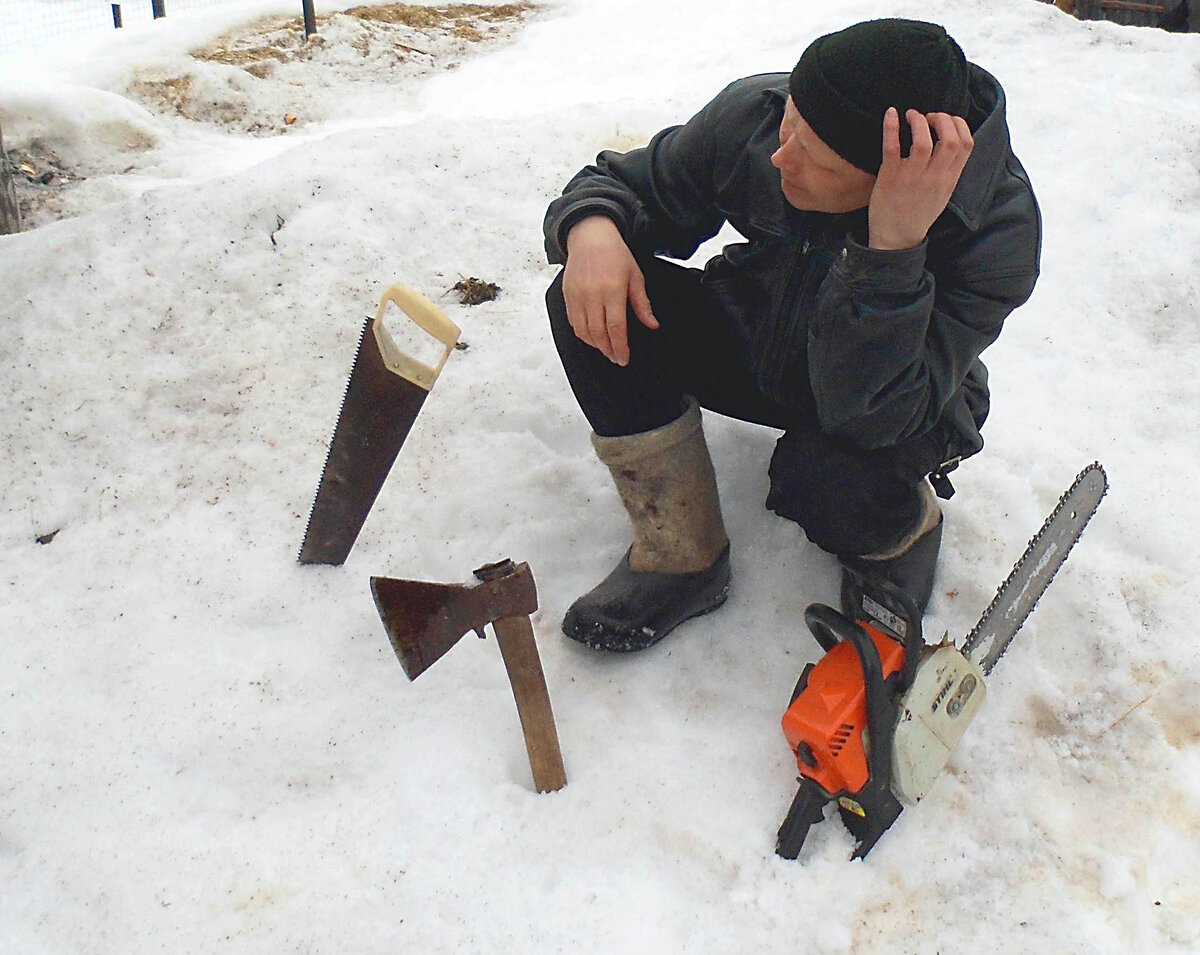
x=946 y=693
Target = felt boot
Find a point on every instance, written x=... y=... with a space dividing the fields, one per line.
x=678 y=564
x=889 y=587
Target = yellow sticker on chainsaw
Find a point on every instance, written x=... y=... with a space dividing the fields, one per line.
x=851 y=806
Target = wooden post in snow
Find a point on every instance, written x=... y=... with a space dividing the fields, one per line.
x=10 y=214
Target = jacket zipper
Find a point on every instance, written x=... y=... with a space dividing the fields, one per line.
x=775 y=356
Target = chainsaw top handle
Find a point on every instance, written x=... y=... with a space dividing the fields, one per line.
x=830 y=627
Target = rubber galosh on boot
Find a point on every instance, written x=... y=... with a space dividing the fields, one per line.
x=631 y=610
x=867 y=584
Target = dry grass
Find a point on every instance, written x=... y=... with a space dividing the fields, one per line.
x=173 y=91
x=247 y=57
x=424 y=18
x=287 y=36
x=459 y=18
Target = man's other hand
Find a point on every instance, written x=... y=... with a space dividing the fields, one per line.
x=910 y=193
x=601 y=281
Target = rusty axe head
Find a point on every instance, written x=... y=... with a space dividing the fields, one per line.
x=423 y=620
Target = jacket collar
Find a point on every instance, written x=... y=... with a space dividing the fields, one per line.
x=973 y=195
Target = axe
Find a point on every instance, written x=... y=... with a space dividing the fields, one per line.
x=424 y=620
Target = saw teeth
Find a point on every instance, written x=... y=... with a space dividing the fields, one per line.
x=329 y=451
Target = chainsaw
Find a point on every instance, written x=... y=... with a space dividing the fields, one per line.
x=873 y=723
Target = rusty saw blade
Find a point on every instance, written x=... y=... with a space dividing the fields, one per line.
x=386 y=390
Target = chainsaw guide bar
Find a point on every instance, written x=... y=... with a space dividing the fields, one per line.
x=1046 y=553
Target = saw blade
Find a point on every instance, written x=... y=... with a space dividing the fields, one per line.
x=376 y=416
x=1032 y=574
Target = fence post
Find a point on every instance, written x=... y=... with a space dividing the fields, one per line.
x=310 y=19
x=10 y=213
x=159 y=7
x=116 y=10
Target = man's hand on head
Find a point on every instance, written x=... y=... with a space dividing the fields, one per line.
x=601 y=282
x=911 y=192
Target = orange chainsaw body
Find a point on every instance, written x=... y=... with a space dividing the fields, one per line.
x=825 y=723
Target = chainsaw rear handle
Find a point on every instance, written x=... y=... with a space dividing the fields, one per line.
x=427 y=317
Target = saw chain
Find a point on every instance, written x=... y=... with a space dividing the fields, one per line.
x=1046 y=553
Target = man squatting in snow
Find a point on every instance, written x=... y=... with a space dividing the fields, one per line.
x=889 y=232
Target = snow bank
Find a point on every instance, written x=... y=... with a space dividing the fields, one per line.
x=208 y=747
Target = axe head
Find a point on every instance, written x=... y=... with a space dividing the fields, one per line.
x=423 y=620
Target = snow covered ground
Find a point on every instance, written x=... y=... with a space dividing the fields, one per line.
x=207 y=747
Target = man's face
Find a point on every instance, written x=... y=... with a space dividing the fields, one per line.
x=813 y=176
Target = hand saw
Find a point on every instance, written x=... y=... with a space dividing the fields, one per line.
x=386 y=390
x=874 y=722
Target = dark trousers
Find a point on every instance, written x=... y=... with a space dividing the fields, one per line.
x=847 y=500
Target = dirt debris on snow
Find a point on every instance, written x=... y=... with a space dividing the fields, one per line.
x=475 y=291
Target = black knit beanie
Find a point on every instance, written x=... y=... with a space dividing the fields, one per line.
x=845 y=82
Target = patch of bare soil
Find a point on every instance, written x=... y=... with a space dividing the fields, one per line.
x=41 y=181
x=261 y=80
x=267 y=79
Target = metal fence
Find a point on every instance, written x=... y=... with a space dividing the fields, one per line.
x=29 y=24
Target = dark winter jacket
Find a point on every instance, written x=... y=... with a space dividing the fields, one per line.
x=880 y=345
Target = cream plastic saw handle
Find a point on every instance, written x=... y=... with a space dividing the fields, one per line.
x=428 y=317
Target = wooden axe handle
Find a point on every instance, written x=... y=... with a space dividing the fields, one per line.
x=520 y=653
